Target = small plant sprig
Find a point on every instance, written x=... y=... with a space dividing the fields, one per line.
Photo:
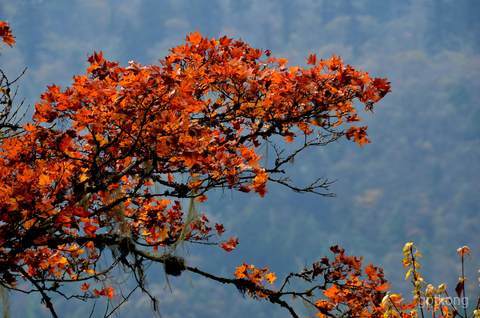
x=427 y=299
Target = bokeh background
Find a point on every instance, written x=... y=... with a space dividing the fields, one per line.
x=418 y=180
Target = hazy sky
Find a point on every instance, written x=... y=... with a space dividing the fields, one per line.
x=418 y=180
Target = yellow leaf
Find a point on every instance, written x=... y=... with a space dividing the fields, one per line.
x=407 y=247
x=62 y=261
x=83 y=176
x=408 y=274
x=442 y=288
x=90 y=271
x=271 y=277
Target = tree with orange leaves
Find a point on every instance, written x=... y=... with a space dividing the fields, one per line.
x=108 y=161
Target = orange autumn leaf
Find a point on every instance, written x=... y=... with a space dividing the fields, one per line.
x=44 y=180
x=240 y=271
x=110 y=292
x=85 y=287
x=90 y=229
x=332 y=292
x=29 y=223
x=194 y=38
x=324 y=305
x=6 y=33
x=371 y=272
x=201 y=198
x=383 y=287
x=229 y=245
x=289 y=138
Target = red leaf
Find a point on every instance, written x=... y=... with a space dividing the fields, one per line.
x=230 y=245
x=220 y=229
x=312 y=59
